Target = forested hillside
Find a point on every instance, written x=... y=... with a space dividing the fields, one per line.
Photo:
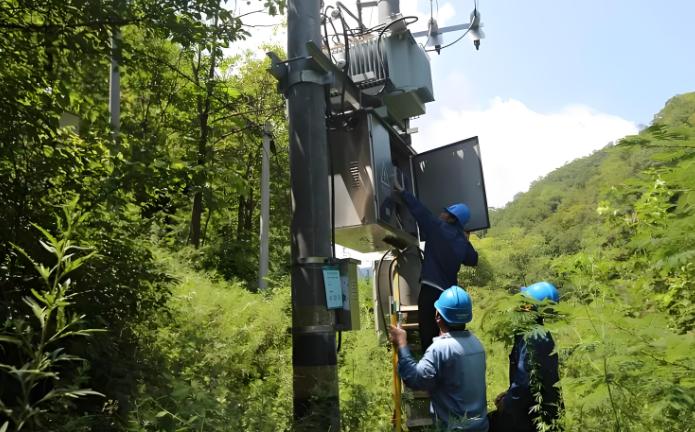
x=128 y=257
x=616 y=232
x=83 y=297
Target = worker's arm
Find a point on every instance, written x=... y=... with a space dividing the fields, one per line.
x=426 y=221
x=470 y=255
x=416 y=375
x=519 y=393
x=420 y=375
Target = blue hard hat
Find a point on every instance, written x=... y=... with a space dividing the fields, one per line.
x=460 y=212
x=455 y=306
x=542 y=291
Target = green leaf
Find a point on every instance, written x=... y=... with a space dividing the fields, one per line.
x=77 y=263
x=49 y=248
x=10 y=339
x=40 y=268
x=54 y=242
x=39 y=312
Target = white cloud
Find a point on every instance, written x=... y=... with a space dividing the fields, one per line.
x=519 y=145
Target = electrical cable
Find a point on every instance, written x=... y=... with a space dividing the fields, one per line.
x=393 y=263
x=347 y=44
x=346 y=68
x=475 y=12
x=330 y=167
x=330 y=164
x=336 y=36
x=341 y=6
x=325 y=37
x=450 y=44
x=378 y=291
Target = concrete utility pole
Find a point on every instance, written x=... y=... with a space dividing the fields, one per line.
x=388 y=8
x=115 y=84
x=265 y=207
x=314 y=358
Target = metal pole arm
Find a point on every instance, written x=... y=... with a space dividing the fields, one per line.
x=446 y=29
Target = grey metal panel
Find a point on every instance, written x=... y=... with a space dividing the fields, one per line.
x=408 y=268
x=366 y=216
x=348 y=318
x=372 y=237
x=351 y=162
x=381 y=295
x=408 y=66
x=452 y=174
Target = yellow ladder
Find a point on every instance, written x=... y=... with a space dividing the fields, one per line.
x=416 y=402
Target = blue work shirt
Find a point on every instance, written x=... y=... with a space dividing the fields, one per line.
x=519 y=398
x=453 y=371
x=446 y=247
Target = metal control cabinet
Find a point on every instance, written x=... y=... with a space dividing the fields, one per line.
x=348 y=317
x=365 y=156
x=363 y=159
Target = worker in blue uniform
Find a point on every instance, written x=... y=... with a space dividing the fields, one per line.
x=452 y=369
x=446 y=248
x=517 y=409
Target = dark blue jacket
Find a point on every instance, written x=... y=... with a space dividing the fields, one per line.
x=446 y=247
x=519 y=398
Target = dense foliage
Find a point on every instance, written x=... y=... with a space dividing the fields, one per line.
x=128 y=257
x=183 y=168
x=615 y=232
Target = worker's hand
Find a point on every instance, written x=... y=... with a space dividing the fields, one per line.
x=398 y=336
x=396 y=183
x=499 y=401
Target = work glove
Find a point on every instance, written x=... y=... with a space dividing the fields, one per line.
x=396 y=183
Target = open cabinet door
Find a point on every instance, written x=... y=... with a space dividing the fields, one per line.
x=453 y=174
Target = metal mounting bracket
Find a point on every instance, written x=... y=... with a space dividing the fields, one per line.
x=311 y=73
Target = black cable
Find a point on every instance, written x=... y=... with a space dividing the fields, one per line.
x=325 y=39
x=330 y=164
x=347 y=43
x=475 y=14
x=393 y=263
x=378 y=291
x=336 y=36
x=340 y=341
x=341 y=6
x=448 y=45
x=327 y=17
x=346 y=68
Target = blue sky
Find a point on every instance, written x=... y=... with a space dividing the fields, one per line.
x=554 y=80
x=623 y=57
